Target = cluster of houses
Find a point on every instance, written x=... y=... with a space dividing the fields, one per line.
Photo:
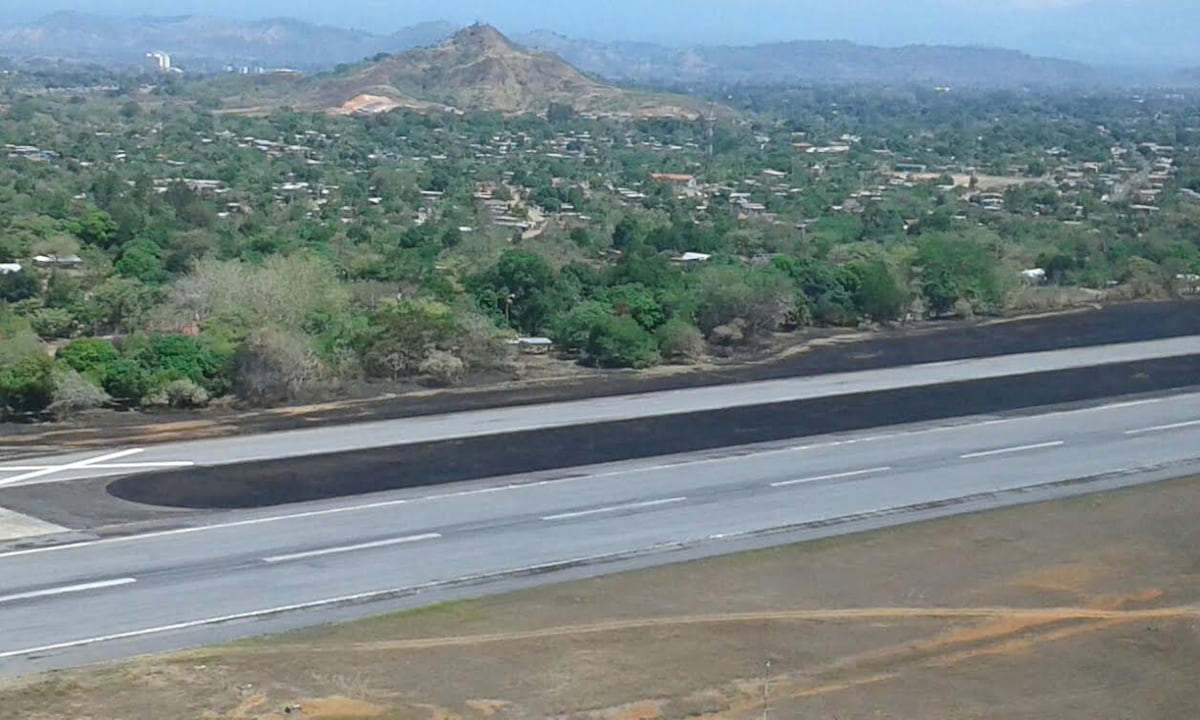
x=31 y=152
x=45 y=262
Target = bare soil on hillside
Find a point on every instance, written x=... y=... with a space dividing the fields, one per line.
x=1083 y=608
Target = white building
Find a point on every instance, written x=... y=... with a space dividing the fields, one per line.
x=159 y=61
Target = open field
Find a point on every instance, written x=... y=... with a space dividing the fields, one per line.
x=1083 y=608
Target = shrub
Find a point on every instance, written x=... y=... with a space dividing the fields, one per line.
x=26 y=385
x=878 y=295
x=442 y=369
x=91 y=357
x=479 y=344
x=404 y=334
x=762 y=299
x=53 y=323
x=127 y=381
x=175 y=357
x=731 y=333
x=73 y=393
x=272 y=367
x=182 y=394
x=680 y=341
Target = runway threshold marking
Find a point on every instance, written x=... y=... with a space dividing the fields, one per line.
x=1163 y=428
x=834 y=476
x=614 y=508
x=1013 y=450
x=351 y=548
x=67 y=590
x=100 y=462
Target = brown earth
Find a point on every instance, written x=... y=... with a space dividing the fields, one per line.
x=480 y=69
x=1083 y=608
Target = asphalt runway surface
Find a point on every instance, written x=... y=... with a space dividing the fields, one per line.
x=631 y=481
x=683 y=402
x=233 y=574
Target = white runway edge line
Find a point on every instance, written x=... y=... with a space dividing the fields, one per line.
x=352 y=548
x=615 y=508
x=1013 y=450
x=374 y=595
x=1163 y=428
x=835 y=476
x=67 y=590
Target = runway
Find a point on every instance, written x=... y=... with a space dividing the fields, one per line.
x=233 y=574
x=118 y=461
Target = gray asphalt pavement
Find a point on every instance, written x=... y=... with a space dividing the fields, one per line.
x=319 y=441
x=238 y=573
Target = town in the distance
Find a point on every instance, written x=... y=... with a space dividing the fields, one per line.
x=679 y=360
x=444 y=214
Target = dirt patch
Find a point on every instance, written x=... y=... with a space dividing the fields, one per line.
x=486 y=708
x=1070 y=578
x=1075 y=609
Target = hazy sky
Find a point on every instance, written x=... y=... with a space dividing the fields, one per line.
x=1094 y=30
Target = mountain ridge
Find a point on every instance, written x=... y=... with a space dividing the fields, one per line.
x=206 y=44
x=829 y=61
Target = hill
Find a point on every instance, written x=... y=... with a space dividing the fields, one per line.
x=481 y=69
x=206 y=43
x=815 y=61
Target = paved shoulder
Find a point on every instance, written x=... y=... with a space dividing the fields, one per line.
x=14 y=525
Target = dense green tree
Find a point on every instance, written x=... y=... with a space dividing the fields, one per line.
x=128 y=381
x=142 y=261
x=26 y=385
x=626 y=234
x=96 y=228
x=62 y=290
x=181 y=357
x=954 y=269
x=91 y=357
x=878 y=295
x=638 y=302
x=520 y=288
x=620 y=342
x=574 y=328
x=17 y=286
